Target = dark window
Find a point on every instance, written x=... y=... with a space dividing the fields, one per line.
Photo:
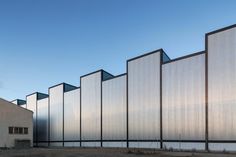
x=10 y=129
x=25 y=130
x=20 y=130
x=16 y=130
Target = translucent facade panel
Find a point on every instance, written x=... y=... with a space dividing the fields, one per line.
x=56 y=114
x=56 y=144
x=72 y=144
x=42 y=120
x=114 y=109
x=222 y=146
x=183 y=99
x=184 y=145
x=115 y=144
x=222 y=85
x=31 y=101
x=91 y=107
x=144 y=97
x=91 y=144
x=72 y=115
x=144 y=145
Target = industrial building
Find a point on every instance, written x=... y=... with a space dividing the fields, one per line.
x=183 y=103
x=16 y=126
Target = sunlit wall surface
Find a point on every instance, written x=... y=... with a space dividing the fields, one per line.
x=91 y=109
x=183 y=101
x=72 y=117
x=56 y=115
x=42 y=122
x=144 y=100
x=24 y=105
x=222 y=88
x=31 y=101
x=15 y=102
x=114 y=112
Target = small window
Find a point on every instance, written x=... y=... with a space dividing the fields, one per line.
x=16 y=130
x=25 y=130
x=20 y=130
x=10 y=129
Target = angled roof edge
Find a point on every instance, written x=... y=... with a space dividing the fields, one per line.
x=185 y=57
x=146 y=54
x=39 y=95
x=63 y=83
x=120 y=75
x=100 y=70
x=221 y=30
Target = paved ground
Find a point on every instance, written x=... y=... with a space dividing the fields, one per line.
x=102 y=152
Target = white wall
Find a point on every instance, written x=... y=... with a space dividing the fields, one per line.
x=13 y=115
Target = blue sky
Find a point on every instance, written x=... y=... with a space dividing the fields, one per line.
x=46 y=42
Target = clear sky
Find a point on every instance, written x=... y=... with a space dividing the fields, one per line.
x=46 y=42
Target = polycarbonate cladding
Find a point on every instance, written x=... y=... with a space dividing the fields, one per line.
x=114 y=108
x=56 y=114
x=183 y=99
x=222 y=85
x=31 y=101
x=144 y=97
x=72 y=115
x=91 y=107
x=42 y=119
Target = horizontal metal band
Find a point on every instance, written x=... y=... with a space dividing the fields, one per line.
x=187 y=141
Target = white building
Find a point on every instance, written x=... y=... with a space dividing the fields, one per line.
x=16 y=125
